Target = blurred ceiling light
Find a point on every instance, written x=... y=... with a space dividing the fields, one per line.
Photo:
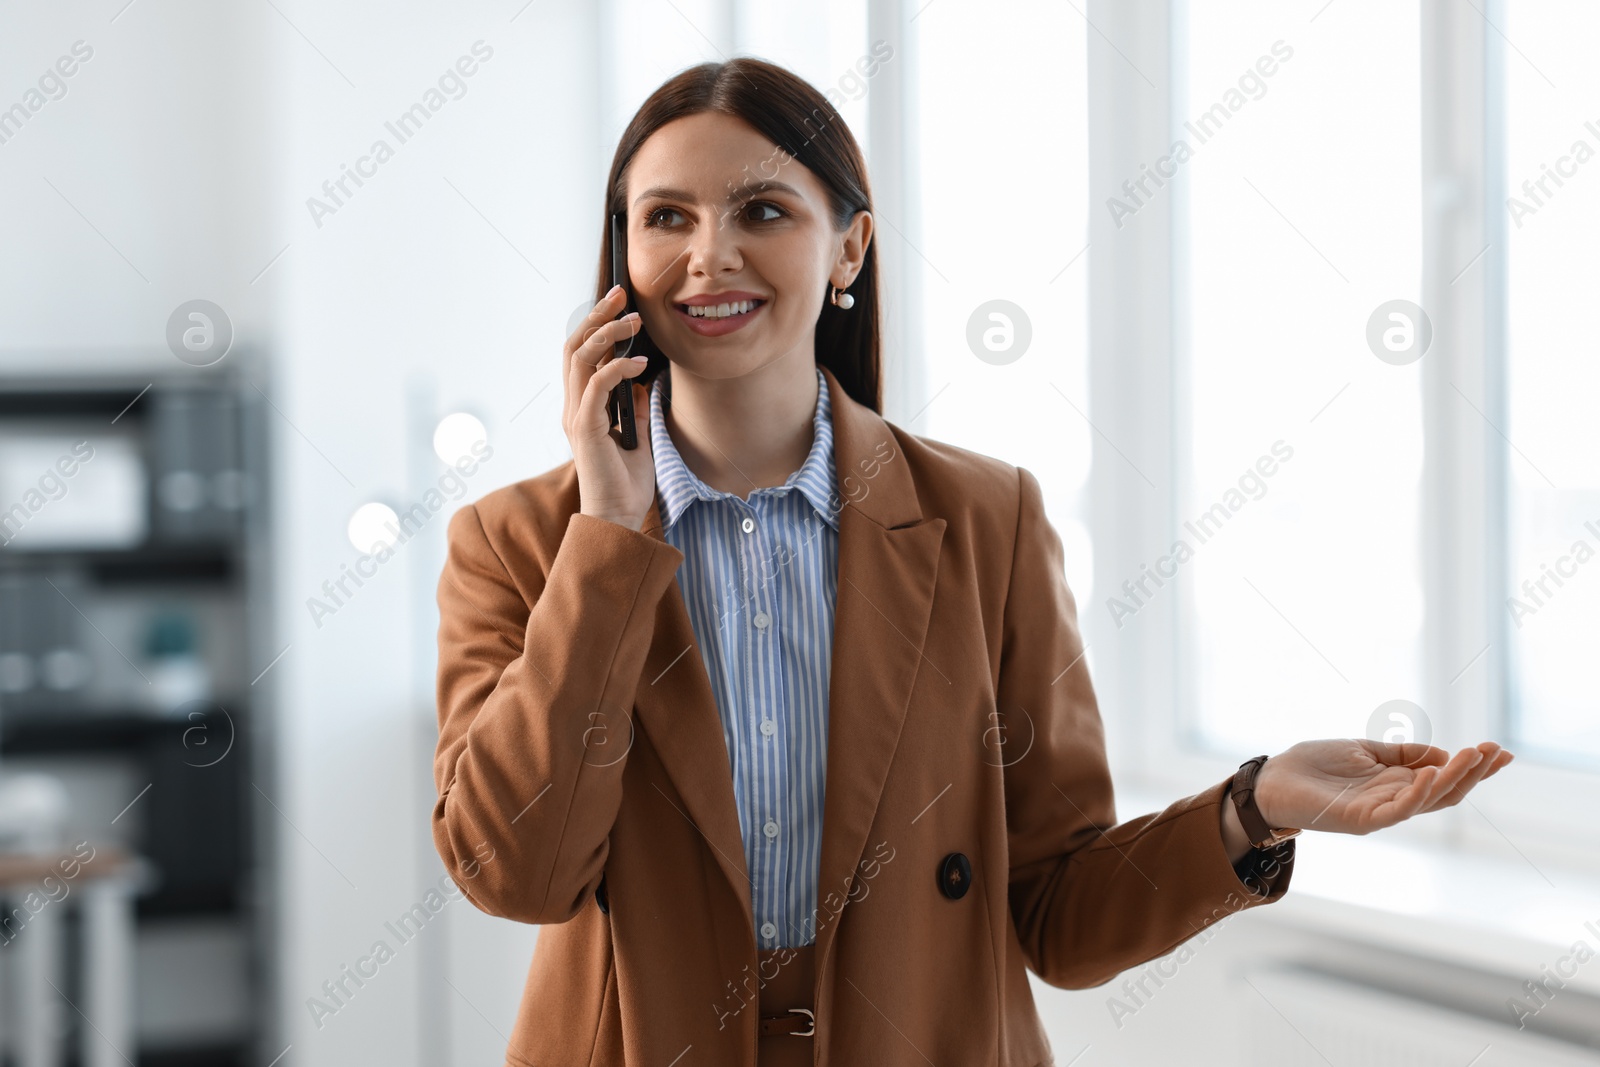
x=373 y=525
x=455 y=436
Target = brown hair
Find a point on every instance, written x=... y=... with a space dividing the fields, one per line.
x=793 y=115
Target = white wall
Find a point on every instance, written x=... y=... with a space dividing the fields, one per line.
x=449 y=274
x=161 y=142
x=191 y=140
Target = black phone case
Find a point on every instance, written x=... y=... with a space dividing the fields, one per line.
x=620 y=407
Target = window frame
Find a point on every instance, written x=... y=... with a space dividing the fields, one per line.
x=1139 y=362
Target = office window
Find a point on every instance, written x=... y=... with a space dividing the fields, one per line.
x=1003 y=230
x=1297 y=216
x=1552 y=609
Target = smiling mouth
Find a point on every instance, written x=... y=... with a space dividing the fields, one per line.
x=718 y=312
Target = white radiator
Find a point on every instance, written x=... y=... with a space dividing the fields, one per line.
x=1296 y=1016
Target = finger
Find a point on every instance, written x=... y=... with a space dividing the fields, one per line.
x=594 y=353
x=1462 y=773
x=641 y=414
x=1408 y=801
x=1496 y=765
x=604 y=310
x=592 y=412
x=1502 y=760
x=1494 y=749
x=1461 y=765
x=1407 y=754
x=1457 y=791
x=598 y=347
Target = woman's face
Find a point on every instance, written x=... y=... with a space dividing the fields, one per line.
x=715 y=209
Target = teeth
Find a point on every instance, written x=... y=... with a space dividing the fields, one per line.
x=721 y=311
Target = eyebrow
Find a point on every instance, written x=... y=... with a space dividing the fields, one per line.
x=749 y=189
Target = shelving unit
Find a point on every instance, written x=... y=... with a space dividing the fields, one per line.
x=126 y=638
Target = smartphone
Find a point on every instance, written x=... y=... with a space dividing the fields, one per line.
x=619 y=408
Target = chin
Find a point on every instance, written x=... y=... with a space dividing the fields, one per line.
x=716 y=367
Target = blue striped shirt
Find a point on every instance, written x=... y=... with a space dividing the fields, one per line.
x=759 y=578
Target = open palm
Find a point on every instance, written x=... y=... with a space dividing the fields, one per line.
x=1356 y=786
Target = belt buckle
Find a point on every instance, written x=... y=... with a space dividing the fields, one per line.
x=809 y=1015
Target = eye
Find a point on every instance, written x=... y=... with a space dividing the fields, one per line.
x=760 y=204
x=653 y=220
x=650 y=219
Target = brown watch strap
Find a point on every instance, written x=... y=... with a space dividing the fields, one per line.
x=1256 y=828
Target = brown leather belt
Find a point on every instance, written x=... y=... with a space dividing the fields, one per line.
x=801 y=1022
x=788 y=987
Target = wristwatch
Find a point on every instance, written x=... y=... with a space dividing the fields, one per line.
x=1244 y=799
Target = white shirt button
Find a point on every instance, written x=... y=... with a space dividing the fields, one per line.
x=769 y=727
x=769 y=931
x=748 y=525
x=761 y=620
x=771 y=829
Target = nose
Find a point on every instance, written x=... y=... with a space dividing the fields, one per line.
x=714 y=248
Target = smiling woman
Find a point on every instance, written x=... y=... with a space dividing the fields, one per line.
x=820 y=842
x=729 y=233
x=740 y=182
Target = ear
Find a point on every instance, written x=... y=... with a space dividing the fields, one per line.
x=852 y=250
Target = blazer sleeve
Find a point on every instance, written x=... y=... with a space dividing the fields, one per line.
x=525 y=804
x=1091 y=897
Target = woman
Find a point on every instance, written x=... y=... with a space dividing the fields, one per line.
x=778 y=722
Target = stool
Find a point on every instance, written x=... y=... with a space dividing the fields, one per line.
x=104 y=887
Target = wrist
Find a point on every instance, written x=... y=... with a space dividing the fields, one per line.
x=1260 y=827
x=621 y=520
x=1267 y=796
x=1234 y=840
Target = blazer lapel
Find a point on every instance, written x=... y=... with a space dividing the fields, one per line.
x=677 y=708
x=888 y=563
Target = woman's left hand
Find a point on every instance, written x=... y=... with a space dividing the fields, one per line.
x=1355 y=786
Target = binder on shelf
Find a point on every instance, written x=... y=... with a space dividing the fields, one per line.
x=43 y=665
x=198 y=483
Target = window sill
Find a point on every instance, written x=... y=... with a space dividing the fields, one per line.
x=1467 y=909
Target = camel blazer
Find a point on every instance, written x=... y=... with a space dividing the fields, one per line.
x=969 y=833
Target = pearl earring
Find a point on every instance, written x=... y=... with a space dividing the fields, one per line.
x=842 y=299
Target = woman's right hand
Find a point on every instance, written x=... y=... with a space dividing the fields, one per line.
x=614 y=483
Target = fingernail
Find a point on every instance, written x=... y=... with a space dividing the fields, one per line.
x=615 y=289
x=640 y=359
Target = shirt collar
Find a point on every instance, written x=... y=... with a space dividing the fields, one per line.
x=680 y=487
